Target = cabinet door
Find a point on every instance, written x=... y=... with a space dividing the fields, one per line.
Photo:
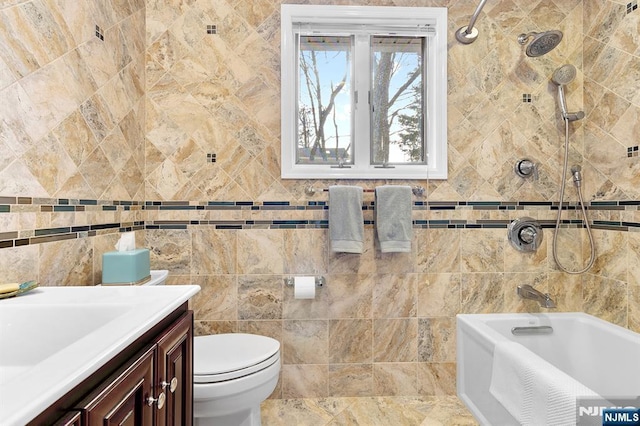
x=123 y=398
x=175 y=373
x=71 y=419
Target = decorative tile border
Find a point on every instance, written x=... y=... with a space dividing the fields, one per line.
x=9 y=204
x=11 y=239
x=45 y=235
x=48 y=235
x=52 y=205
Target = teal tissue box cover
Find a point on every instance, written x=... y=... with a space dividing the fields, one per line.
x=125 y=266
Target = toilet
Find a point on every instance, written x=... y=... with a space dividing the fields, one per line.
x=232 y=374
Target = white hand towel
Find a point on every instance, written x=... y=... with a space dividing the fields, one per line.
x=393 y=218
x=533 y=390
x=346 y=222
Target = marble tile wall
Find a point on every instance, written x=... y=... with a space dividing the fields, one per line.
x=611 y=55
x=219 y=94
x=72 y=124
x=73 y=111
x=384 y=324
x=612 y=99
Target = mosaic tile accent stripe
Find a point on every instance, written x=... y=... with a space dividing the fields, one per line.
x=39 y=236
x=53 y=205
x=67 y=201
x=48 y=235
x=49 y=205
x=63 y=204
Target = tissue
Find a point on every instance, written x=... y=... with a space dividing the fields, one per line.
x=126 y=242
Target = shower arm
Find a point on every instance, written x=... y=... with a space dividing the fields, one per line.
x=468 y=34
x=474 y=18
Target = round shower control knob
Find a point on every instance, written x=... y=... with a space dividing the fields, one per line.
x=525 y=234
x=526 y=168
x=528 y=234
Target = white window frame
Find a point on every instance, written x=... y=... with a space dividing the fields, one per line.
x=404 y=19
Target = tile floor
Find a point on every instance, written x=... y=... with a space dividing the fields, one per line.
x=372 y=411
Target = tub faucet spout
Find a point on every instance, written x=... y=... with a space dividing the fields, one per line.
x=527 y=292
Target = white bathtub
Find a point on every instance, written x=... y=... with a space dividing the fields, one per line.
x=602 y=356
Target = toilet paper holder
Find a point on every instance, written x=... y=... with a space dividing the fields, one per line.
x=320 y=281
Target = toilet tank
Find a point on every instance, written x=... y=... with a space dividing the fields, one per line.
x=158 y=278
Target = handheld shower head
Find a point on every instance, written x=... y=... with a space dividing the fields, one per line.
x=561 y=77
x=564 y=75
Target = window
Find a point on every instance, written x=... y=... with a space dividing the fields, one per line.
x=364 y=92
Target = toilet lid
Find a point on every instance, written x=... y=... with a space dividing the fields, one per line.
x=228 y=356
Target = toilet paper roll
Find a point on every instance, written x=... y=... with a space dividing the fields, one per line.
x=304 y=287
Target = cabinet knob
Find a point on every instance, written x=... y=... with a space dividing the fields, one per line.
x=159 y=401
x=173 y=385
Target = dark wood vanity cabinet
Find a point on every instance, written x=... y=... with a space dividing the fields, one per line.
x=124 y=399
x=71 y=419
x=175 y=374
x=150 y=383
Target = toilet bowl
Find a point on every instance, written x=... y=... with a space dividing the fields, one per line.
x=232 y=374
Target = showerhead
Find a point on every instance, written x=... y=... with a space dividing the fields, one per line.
x=564 y=75
x=542 y=43
x=561 y=77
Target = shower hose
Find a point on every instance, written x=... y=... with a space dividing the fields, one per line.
x=584 y=212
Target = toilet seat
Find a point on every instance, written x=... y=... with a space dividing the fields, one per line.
x=222 y=357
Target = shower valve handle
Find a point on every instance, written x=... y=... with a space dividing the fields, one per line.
x=528 y=234
x=526 y=168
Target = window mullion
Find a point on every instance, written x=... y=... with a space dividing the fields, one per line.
x=362 y=79
x=427 y=82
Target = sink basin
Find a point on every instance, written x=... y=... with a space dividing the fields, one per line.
x=53 y=338
x=43 y=330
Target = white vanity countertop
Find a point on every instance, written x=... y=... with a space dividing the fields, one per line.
x=53 y=338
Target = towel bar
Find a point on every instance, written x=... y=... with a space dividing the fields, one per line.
x=418 y=191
